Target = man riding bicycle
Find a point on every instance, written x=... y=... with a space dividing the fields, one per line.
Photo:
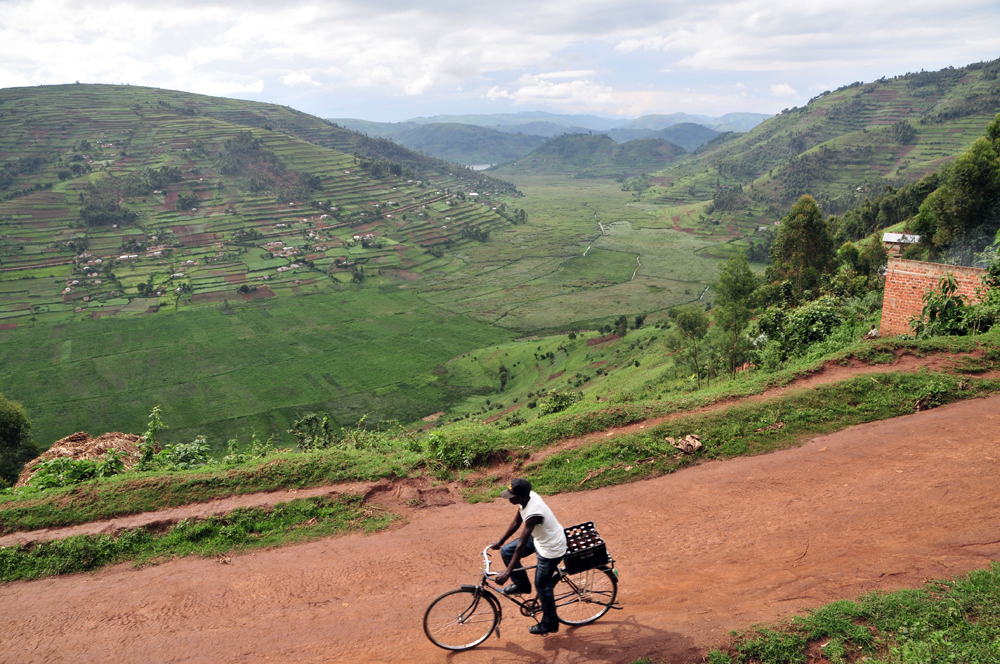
x=542 y=535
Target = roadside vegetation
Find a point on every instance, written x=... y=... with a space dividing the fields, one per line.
x=957 y=620
x=240 y=530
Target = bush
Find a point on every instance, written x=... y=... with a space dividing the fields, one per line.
x=16 y=446
x=183 y=456
x=64 y=471
x=559 y=401
x=811 y=322
x=463 y=446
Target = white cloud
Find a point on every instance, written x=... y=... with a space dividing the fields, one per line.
x=388 y=50
x=783 y=90
x=299 y=79
x=566 y=74
x=576 y=94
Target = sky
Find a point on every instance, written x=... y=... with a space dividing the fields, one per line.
x=389 y=60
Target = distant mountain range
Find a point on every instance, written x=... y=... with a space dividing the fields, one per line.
x=502 y=137
x=595 y=155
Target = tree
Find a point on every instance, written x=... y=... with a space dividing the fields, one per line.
x=732 y=314
x=692 y=324
x=16 y=446
x=803 y=248
x=962 y=212
x=621 y=326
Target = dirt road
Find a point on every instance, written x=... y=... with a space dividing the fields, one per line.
x=711 y=548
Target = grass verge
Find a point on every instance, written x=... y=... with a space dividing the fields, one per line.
x=946 y=621
x=242 y=529
x=728 y=433
x=132 y=494
x=754 y=428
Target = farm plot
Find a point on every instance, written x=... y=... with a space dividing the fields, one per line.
x=221 y=371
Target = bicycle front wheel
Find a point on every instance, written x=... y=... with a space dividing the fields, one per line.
x=461 y=619
x=583 y=598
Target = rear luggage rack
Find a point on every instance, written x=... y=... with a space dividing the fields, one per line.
x=585 y=549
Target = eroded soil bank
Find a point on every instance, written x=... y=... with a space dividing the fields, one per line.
x=711 y=548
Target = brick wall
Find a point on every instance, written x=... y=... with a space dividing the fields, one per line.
x=905 y=285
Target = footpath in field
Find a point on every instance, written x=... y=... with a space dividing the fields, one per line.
x=711 y=548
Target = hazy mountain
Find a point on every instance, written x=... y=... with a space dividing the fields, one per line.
x=453 y=141
x=588 y=122
x=546 y=129
x=730 y=122
x=596 y=155
x=688 y=135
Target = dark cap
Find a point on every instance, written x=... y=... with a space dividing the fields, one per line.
x=518 y=488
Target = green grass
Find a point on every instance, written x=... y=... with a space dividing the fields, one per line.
x=256 y=365
x=135 y=493
x=839 y=148
x=240 y=530
x=738 y=430
x=955 y=620
x=742 y=430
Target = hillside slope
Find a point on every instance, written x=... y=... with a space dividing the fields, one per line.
x=586 y=155
x=158 y=247
x=843 y=145
x=458 y=143
x=688 y=135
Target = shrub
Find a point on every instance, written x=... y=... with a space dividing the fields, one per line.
x=16 y=446
x=559 y=401
x=63 y=471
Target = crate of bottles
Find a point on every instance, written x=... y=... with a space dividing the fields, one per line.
x=585 y=549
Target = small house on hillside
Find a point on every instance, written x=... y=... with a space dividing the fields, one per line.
x=895 y=243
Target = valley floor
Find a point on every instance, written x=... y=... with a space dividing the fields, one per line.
x=712 y=548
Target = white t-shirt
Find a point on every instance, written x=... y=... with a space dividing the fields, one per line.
x=550 y=538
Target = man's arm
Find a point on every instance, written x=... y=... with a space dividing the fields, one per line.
x=511 y=529
x=515 y=560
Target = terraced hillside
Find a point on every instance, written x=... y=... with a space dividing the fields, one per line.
x=128 y=188
x=843 y=146
x=122 y=202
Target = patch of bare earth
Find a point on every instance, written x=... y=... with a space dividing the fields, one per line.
x=716 y=547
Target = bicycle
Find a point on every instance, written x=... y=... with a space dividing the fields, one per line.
x=463 y=618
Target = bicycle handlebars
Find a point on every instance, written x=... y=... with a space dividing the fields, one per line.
x=486 y=562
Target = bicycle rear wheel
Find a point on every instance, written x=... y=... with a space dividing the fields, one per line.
x=461 y=619
x=583 y=598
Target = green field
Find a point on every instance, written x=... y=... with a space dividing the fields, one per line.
x=534 y=278
x=243 y=308
x=258 y=365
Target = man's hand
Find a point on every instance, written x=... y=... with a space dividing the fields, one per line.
x=496 y=545
x=502 y=578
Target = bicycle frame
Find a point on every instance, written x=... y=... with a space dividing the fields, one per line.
x=529 y=607
x=492 y=592
x=477 y=605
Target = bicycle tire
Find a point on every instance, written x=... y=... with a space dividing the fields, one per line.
x=461 y=619
x=583 y=598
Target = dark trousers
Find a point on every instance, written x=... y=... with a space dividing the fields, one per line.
x=544 y=578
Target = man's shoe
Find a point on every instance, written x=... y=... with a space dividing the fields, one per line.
x=514 y=589
x=542 y=629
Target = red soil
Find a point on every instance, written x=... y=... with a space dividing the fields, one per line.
x=261 y=292
x=708 y=549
